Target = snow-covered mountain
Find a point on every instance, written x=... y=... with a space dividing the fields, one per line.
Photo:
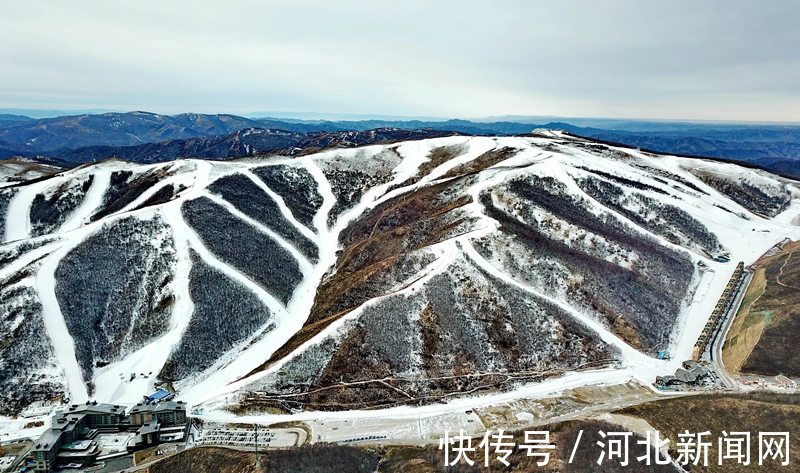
x=402 y=273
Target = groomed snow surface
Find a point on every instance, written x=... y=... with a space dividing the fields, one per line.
x=216 y=387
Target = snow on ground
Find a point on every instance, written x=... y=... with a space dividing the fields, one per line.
x=285 y=210
x=557 y=170
x=731 y=230
x=397 y=420
x=631 y=356
x=114 y=443
x=113 y=383
x=19 y=228
x=745 y=239
x=305 y=265
x=789 y=217
x=14 y=429
x=91 y=202
x=75 y=230
x=27 y=258
x=743 y=245
x=446 y=254
x=57 y=327
x=182 y=176
x=290 y=319
x=14 y=170
x=477 y=146
x=706 y=289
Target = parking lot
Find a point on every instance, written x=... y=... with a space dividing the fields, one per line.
x=246 y=438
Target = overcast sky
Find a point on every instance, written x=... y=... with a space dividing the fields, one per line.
x=716 y=60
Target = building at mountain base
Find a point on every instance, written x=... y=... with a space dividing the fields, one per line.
x=74 y=434
x=690 y=374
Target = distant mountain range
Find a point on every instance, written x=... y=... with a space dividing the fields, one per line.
x=249 y=141
x=5 y=117
x=148 y=137
x=53 y=136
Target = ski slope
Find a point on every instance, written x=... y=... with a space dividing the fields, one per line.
x=233 y=371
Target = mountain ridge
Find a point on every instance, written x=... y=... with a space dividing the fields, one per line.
x=498 y=262
x=94 y=137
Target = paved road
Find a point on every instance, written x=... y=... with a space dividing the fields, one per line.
x=719 y=340
x=422 y=431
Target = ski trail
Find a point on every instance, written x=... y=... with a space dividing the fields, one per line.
x=248 y=355
x=329 y=245
x=285 y=210
x=202 y=173
x=498 y=177
x=674 y=166
x=56 y=326
x=447 y=254
x=112 y=388
x=515 y=142
x=91 y=202
x=414 y=154
x=378 y=194
x=687 y=326
x=185 y=231
x=18 y=221
x=27 y=258
x=548 y=388
x=687 y=201
x=172 y=180
x=690 y=202
x=328 y=198
x=250 y=358
x=292 y=319
x=438 y=171
x=305 y=266
x=303 y=296
x=576 y=163
x=477 y=146
x=183 y=307
x=152 y=357
x=567 y=180
x=182 y=230
x=630 y=354
x=64 y=343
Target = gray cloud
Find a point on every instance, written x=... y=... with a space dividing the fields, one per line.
x=677 y=59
